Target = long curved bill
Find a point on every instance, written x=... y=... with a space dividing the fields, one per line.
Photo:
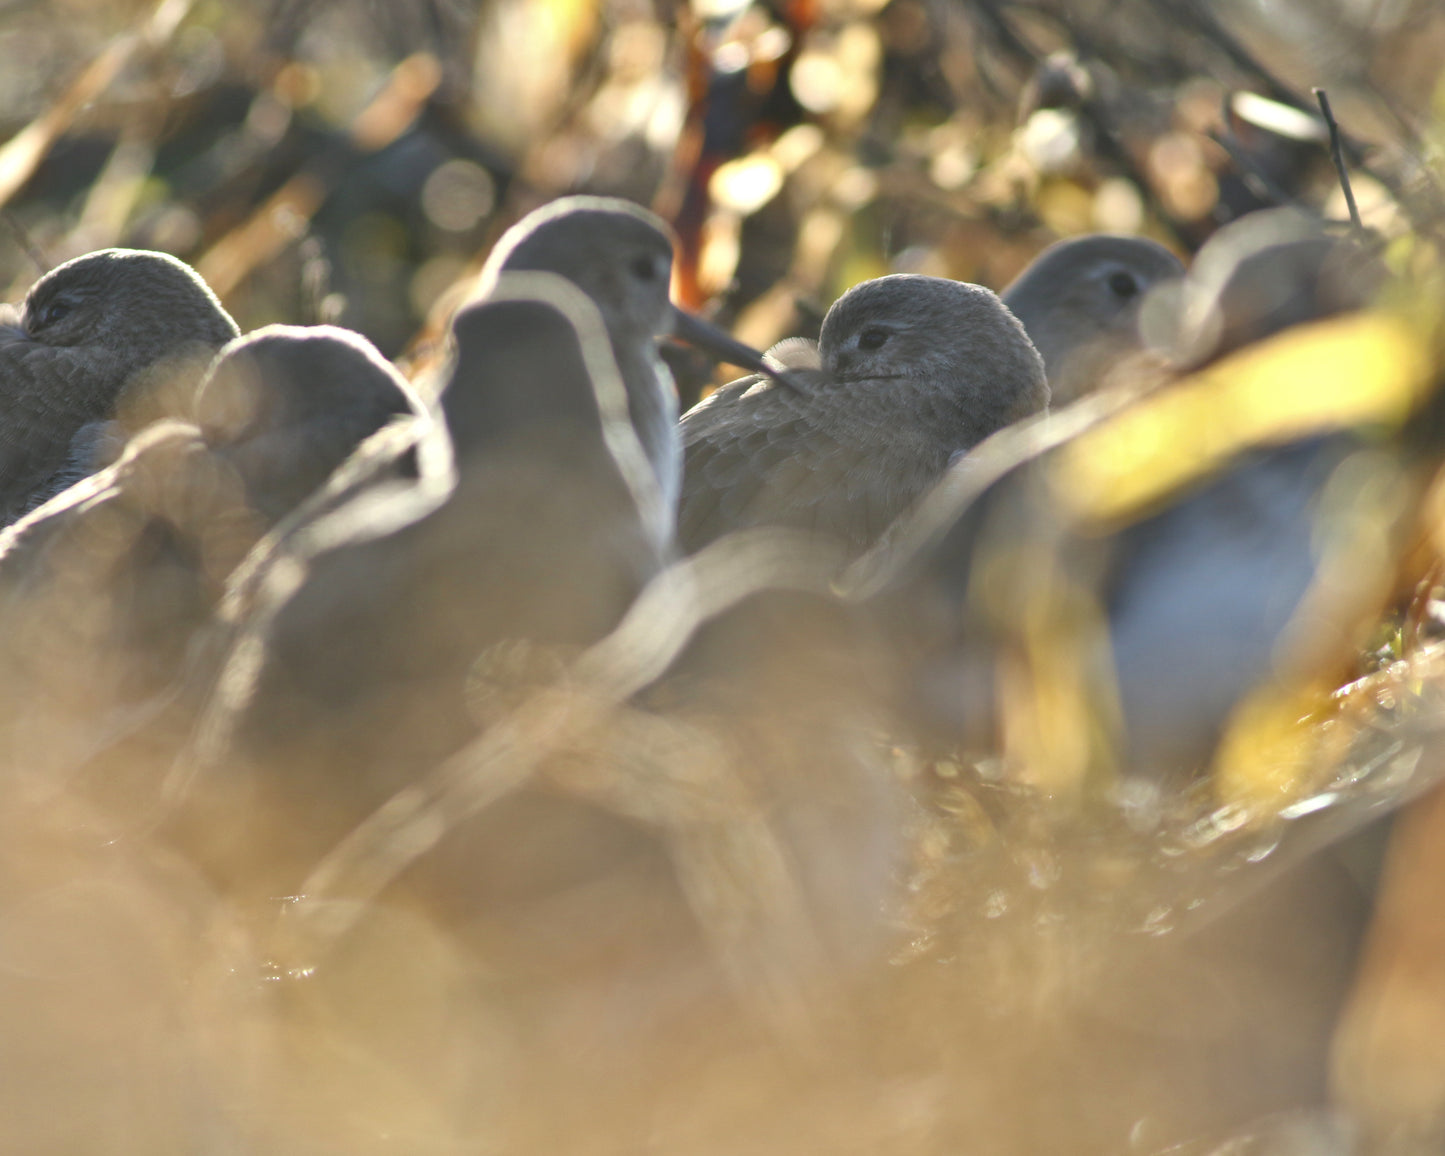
x=726 y=348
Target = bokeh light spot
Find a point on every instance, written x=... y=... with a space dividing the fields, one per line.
x=458 y=195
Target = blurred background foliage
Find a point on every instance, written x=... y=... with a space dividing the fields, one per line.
x=352 y=160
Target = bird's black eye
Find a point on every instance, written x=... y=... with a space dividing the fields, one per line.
x=645 y=268
x=1123 y=285
x=872 y=338
x=49 y=313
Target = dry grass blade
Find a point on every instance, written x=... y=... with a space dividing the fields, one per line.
x=263 y=235
x=560 y=718
x=283 y=218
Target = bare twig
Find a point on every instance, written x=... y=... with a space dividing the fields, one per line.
x=1259 y=181
x=1337 y=152
x=1205 y=22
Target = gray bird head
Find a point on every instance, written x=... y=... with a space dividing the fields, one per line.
x=1079 y=301
x=950 y=347
x=1264 y=273
x=125 y=309
x=117 y=329
x=620 y=255
x=286 y=405
x=289 y=375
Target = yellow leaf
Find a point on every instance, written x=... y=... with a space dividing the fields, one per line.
x=1367 y=368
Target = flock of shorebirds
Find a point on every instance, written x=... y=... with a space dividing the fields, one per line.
x=517 y=638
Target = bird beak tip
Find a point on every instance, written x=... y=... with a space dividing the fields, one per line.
x=718 y=343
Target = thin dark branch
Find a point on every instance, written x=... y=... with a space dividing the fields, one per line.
x=1255 y=178
x=1258 y=181
x=1338 y=153
x=1004 y=33
x=1208 y=25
